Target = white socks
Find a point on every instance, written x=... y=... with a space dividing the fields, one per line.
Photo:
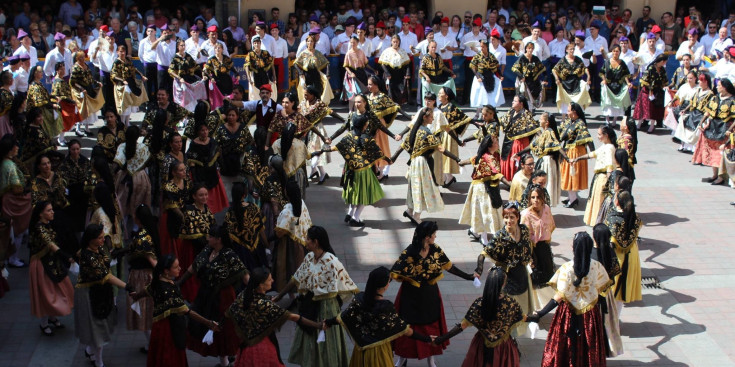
x=483 y=238
x=401 y=361
x=98 y=357
x=358 y=211
x=351 y=210
x=386 y=170
x=430 y=362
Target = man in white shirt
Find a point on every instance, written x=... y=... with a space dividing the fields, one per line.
x=175 y=28
x=343 y=40
x=581 y=49
x=469 y=53
x=238 y=34
x=720 y=44
x=541 y=49
x=209 y=17
x=557 y=50
x=628 y=55
x=322 y=41
x=194 y=45
x=647 y=53
x=59 y=54
x=729 y=22
x=208 y=45
x=710 y=37
x=492 y=22
x=147 y=56
x=25 y=46
x=105 y=57
x=165 y=52
x=93 y=46
x=598 y=44
x=497 y=49
x=265 y=109
x=280 y=53
x=381 y=41
x=339 y=30
x=356 y=11
x=409 y=41
x=363 y=43
x=20 y=77
x=266 y=41
x=446 y=44
x=691 y=47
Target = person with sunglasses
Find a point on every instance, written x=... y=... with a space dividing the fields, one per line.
x=709 y=37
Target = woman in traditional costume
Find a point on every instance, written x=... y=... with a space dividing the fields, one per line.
x=575 y=139
x=6 y=101
x=457 y=124
x=386 y=111
x=168 y=332
x=355 y=81
x=530 y=72
x=35 y=140
x=50 y=186
x=132 y=181
x=289 y=114
x=142 y=258
x=604 y=157
x=185 y=72
x=373 y=323
x=487 y=89
x=259 y=69
x=95 y=312
x=86 y=93
x=111 y=134
x=198 y=220
x=16 y=204
x=571 y=88
x=51 y=292
x=650 y=103
x=295 y=155
x=622 y=168
x=605 y=255
x=246 y=229
x=222 y=74
x=686 y=130
x=314 y=110
x=547 y=149
x=396 y=66
x=291 y=228
x=576 y=334
x=625 y=225
x=680 y=102
x=522 y=178
x=234 y=139
x=256 y=318
x=323 y=285
x=62 y=96
x=311 y=66
x=511 y=249
x=419 y=268
x=435 y=74
x=129 y=92
x=537 y=217
x=202 y=157
x=38 y=97
x=74 y=168
x=495 y=315
x=716 y=126
x=518 y=127
x=615 y=78
x=176 y=192
x=106 y=209
x=482 y=209
x=219 y=271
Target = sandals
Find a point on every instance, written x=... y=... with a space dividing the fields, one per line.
x=47 y=330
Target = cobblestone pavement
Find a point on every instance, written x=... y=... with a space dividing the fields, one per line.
x=687 y=322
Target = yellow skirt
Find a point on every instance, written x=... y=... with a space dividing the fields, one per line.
x=594 y=202
x=449 y=165
x=381 y=355
x=579 y=180
x=633 y=280
x=381 y=139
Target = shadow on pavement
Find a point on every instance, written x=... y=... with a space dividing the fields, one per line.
x=658 y=219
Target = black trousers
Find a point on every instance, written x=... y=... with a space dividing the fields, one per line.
x=107 y=90
x=165 y=81
x=151 y=86
x=468 y=77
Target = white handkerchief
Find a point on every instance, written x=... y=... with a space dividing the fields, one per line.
x=533 y=328
x=477 y=282
x=74 y=268
x=208 y=337
x=135 y=306
x=322 y=337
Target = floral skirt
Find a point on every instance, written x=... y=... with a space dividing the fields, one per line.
x=586 y=349
x=478 y=211
x=140 y=278
x=707 y=152
x=186 y=95
x=645 y=109
x=422 y=194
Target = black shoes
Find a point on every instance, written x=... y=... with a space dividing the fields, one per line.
x=572 y=204
x=347 y=218
x=321 y=182
x=446 y=185
x=354 y=223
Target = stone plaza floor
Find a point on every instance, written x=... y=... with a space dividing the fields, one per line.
x=685 y=322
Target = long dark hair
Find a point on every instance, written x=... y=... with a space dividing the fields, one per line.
x=582 y=250
x=103 y=171
x=610 y=133
x=320 y=235
x=424 y=230
x=377 y=279
x=450 y=94
x=238 y=193
x=621 y=156
x=131 y=141
x=293 y=192
x=7 y=143
x=633 y=130
x=378 y=82
x=150 y=224
x=602 y=235
x=92 y=231
x=579 y=111
x=485 y=144
x=165 y=262
x=287 y=136
x=554 y=126
x=625 y=201
x=491 y=293
x=257 y=277
x=36 y=214
x=523 y=100
x=419 y=122
x=37 y=166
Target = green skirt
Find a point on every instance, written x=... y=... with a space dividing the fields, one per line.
x=364 y=188
x=51 y=126
x=306 y=352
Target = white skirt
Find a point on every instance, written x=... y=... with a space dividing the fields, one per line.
x=480 y=97
x=564 y=99
x=685 y=135
x=479 y=213
x=553 y=185
x=423 y=194
x=315 y=144
x=187 y=95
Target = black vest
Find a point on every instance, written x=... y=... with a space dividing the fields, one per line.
x=262 y=120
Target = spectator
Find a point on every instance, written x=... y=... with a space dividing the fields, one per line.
x=275 y=19
x=47 y=36
x=93 y=12
x=446 y=44
x=23 y=20
x=121 y=36
x=209 y=17
x=356 y=10
x=159 y=18
x=26 y=47
x=238 y=34
x=645 y=21
x=709 y=38
x=69 y=12
x=175 y=28
x=691 y=47
x=492 y=23
x=117 y=10
x=729 y=22
x=720 y=44
x=671 y=32
x=418 y=29
x=38 y=41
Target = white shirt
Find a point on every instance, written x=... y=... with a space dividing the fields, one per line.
x=579 y=52
x=192 y=48
x=541 y=49
x=209 y=47
x=106 y=58
x=251 y=105
x=53 y=57
x=442 y=42
x=212 y=22
x=468 y=51
x=322 y=45
x=723 y=70
x=719 y=45
x=628 y=57
x=165 y=52
x=645 y=57
x=381 y=44
x=92 y=47
x=180 y=34
x=20 y=81
x=266 y=43
x=145 y=53
x=83 y=46
x=596 y=44
x=32 y=53
x=357 y=14
x=280 y=48
x=366 y=47
x=499 y=52
x=707 y=41
x=422 y=47
x=558 y=48
x=341 y=43
x=409 y=40
x=727 y=25
x=698 y=52
x=490 y=29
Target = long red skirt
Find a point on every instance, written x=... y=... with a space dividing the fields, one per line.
x=587 y=349
x=263 y=354
x=645 y=109
x=504 y=355
x=226 y=341
x=186 y=255
x=411 y=348
x=161 y=350
x=508 y=166
x=217 y=200
x=707 y=152
x=69 y=115
x=169 y=244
